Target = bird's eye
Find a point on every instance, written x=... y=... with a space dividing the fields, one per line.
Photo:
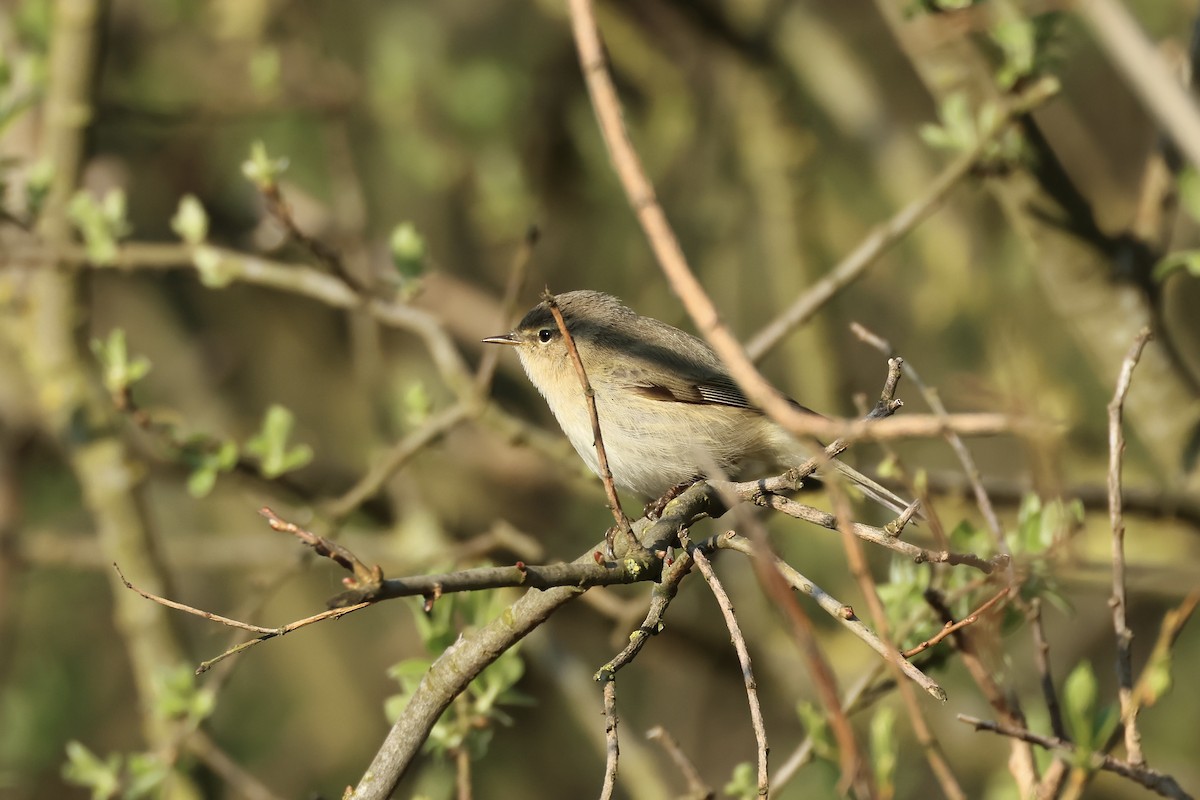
x=545 y=334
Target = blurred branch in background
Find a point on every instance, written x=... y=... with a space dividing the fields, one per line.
x=308 y=339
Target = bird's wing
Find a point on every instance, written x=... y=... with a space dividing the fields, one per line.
x=719 y=391
x=686 y=389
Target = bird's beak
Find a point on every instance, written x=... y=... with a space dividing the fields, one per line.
x=504 y=338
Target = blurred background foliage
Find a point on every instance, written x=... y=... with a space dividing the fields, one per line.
x=776 y=133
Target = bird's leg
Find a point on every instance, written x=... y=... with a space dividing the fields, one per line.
x=655 y=508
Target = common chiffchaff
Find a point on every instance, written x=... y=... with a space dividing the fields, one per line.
x=668 y=409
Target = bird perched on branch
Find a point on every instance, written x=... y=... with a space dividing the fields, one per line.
x=668 y=409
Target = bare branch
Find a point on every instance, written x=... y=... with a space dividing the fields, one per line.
x=1116 y=450
x=612 y=747
x=1158 y=782
x=697 y=788
x=951 y=627
x=743 y=654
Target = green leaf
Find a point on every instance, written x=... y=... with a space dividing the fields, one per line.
x=216 y=271
x=190 y=221
x=1087 y=726
x=1156 y=678
x=1186 y=260
x=1016 y=37
x=118 y=370
x=270 y=445
x=84 y=768
x=208 y=460
x=817 y=728
x=1189 y=191
x=743 y=783
x=408 y=251
x=100 y=223
x=37 y=185
x=147 y=772
x=179 y=698
x=262 y=170
x=416 y=404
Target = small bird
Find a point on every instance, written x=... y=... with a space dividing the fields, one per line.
x=668 y=408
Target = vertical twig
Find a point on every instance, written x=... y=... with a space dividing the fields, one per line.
x=1041 y=657
x=612 y=749
x=970 y=468
x=1116 y=450
x=743 y=654
x=610 y=489
x=916 y=717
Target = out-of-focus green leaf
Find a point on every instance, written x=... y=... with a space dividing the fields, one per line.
x=118 y=370
x=190 y=221
x=85 y=768
x=101 y=223
x=261 y=169
x=270 y=445
x=408 y=251
x=743 y=783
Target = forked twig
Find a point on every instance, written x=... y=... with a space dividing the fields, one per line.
x=951 y=627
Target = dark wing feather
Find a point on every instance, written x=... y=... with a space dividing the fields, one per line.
x=719 y=392
x=682 y=390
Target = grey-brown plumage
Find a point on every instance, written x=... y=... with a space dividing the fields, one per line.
x=668 y=409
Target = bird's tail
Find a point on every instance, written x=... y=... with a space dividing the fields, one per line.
x=880 y=494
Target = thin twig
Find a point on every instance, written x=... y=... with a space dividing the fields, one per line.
x=612 y=745
x=403 y=451
x=242 y=782
x=1041 y=657
x=970 y=468
x=750 y=491
x=365 y=577
x=264 y=633
x=841 y=612
x=743 y=654
x=883 y=236
x=279 y=208
x=1021 y=763
x=951 y=627
x=916 y=716
x=162 y=601
x=1158 y=782
x=773 y=577
x=664 y=592
x=1116 y=450
x=610 y=488
x=697 y=788
x=1053 y=777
